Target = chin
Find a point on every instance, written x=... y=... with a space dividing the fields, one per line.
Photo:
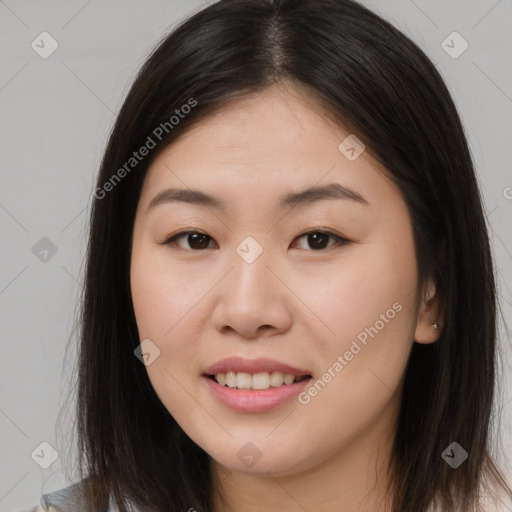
x=249 y=459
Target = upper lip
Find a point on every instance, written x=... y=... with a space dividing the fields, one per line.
x=239 y=364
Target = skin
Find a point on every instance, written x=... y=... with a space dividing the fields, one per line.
x=295 y=304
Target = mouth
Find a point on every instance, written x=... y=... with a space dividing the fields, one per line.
x=260 y=392
x=255 y=374
x=255 y=385
x=256 y=381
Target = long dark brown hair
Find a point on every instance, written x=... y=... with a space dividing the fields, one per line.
x=375 y=82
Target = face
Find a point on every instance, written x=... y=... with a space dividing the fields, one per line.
x=274 y=286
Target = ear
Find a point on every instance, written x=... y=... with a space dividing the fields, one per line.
x=429 y=312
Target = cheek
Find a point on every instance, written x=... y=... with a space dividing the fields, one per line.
x=163 y=302
x=369 y=304
x=151 y=295
x=161 y=294
x=163 y=306
x=361 y=287
x=370 y=307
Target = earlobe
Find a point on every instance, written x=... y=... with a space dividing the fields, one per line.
x=429 y=321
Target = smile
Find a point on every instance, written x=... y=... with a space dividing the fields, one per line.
x=256 y=381
x=254 y=385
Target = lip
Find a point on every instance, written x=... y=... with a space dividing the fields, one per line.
x=254 y=401
x=262 y=364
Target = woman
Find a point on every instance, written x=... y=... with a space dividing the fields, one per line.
x=289 y=299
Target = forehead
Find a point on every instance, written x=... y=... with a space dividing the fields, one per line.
x=266 y=144
x=265 y=124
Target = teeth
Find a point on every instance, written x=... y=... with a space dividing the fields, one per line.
x=260 y=380
x=243 y=380
x=263 y=380
x=288 y=379
x=276 y=379
x=231 y=379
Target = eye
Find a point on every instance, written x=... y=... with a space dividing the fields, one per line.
x=317 y=239
x=198 y=241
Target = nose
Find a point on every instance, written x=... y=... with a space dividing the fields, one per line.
x=252 y=300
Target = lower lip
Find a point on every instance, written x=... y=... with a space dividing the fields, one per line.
x=263 y=400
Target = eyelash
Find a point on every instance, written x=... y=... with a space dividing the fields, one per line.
x=340 y=241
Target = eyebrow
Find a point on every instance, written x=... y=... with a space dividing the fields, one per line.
x=290 y=200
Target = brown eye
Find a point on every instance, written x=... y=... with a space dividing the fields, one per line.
x=318 y=240
x=195 y=239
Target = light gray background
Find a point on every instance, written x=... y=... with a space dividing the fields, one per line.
x=55 y=115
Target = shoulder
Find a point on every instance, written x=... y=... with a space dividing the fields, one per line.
x=500 y=501
x=498 y=504
x=38 y=508
x=488 y=500
x=67 y=499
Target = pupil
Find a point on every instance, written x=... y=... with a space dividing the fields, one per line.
x=314 y=236
x=196 y=235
